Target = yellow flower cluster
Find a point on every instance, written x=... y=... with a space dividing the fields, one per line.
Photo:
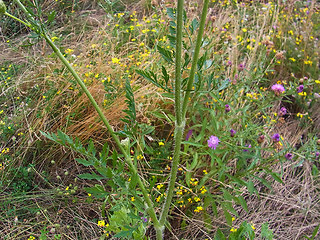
x=198 y=209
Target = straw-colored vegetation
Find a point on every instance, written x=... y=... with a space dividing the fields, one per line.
x=250 y=154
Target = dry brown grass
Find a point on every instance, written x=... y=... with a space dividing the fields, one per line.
x=292 y=208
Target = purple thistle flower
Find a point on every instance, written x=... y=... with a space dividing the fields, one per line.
x=276 y=137
x=277 y=88
x=188 y=135
x=232 y=132
x=213 y=142
x=283 y=111
x=317 y=154
x=247 y=150
x=300 y=89
x=241 y=67
x=229 y=63
x=227 y=108
x=288 y=156
x=144 y=219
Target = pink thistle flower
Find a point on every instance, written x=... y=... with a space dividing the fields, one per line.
x=288 y=156
x=213 y=142
x=277 y=88
x=300 y=89
x=283 y=111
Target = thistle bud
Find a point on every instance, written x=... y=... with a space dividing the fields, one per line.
x=3 y=8
x=261 y=139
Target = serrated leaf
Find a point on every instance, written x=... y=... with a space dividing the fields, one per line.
x=104 y=153
x=62 y=137
x=97 y=191
x=150 y=76
x=48 y=135
x=165 y=75
x=104 y=171
x=166 y=54
x=84 y=162
x=228 y=205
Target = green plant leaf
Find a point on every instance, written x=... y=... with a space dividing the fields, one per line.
x=150 y=76
x=97 y=191
x=243 y=203
x=250 y=186
x=123 y=234
x=84 y=162
x=227 y=215
x=51 y=17
x=166 y=54
x=104 y=171
x=165 y=75
x=219 y=235
x=266 y=233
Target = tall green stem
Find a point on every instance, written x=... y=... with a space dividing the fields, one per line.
x=177 y=86
x=180 y=123
x=195 y=57
x=180 y=113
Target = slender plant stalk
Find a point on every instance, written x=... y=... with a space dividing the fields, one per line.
x=179 y=124
x=132 y=167
x=181 y=113
x=177 y=87
x=195 y=57
x=18 y=19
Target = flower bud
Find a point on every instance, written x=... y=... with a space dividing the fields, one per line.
x=261 y=139
x=232 y=132
x=3 y=8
